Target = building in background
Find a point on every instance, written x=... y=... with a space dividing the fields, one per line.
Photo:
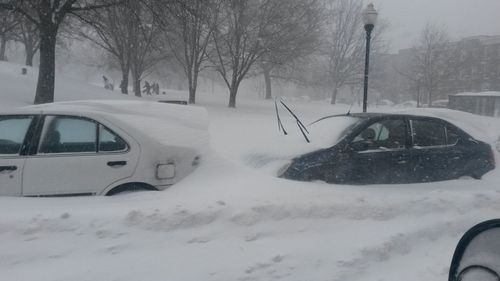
x=482 y=103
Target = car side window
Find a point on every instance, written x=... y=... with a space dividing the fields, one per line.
x=385 y=134
x=63 y=134
x=428 y=133
x=13 y=130
x=452 y=136
x=109 y=141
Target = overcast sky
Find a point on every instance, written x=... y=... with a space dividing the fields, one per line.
x=461 y=17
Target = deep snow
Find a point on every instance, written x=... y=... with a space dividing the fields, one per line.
x=233 y=220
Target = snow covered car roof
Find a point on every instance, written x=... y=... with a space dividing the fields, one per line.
x=177 y=125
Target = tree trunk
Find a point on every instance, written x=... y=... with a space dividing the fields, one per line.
x=233 y=90
x=192 y=95
x=267 y=79
x=125 y=74
x=30 y=54
x=418 y=94
x=334 y=95
x=46 y=75
x=137 y=86
x=232 y=96
x=193 y=84
x=3 y=47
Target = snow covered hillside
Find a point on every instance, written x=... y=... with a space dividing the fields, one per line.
x=233 y=220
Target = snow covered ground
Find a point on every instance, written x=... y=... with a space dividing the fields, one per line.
x=233 y=220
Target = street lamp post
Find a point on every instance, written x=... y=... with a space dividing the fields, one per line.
x=369 y=19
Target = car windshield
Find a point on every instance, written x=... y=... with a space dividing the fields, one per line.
x=328 y=131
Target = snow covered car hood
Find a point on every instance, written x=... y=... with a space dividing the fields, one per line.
x=280 y=149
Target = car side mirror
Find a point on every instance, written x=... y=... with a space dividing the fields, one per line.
x=477 y=255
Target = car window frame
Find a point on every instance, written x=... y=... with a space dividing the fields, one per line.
x=28 y=137
x=370 y=121
x=444 y=123
x=38 y=139
x=127 y=146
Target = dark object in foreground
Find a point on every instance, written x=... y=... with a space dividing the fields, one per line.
x=395 y=148
x=181 y=102
x=477 y=255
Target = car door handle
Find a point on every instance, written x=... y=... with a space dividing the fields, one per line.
x=8 y=168
x=117 y=163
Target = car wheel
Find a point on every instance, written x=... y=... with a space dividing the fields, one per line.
x=131 y=187
x=476 y=176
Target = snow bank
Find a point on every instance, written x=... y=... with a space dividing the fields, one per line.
x=227 y=221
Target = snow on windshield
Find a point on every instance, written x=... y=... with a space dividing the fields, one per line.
x=274 y=151
x=329 y=131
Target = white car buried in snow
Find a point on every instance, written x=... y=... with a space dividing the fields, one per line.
x=98 y=147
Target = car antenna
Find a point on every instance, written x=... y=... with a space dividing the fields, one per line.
x=301 y=126
x=280 y=124
x=350 y=107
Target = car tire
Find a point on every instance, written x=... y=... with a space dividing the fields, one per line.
x=131 y=187
x=476 y=176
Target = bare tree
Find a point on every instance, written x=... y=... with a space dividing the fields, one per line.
x=112 y=29
x=299 y=24
x=48 y=15
x=435 y=59
x=188 y=35
x=145 y=37
x=8 y=24
x=344 y=43
x=248 y=29
x=237 y=42
x=28 y=35
x=340 y=59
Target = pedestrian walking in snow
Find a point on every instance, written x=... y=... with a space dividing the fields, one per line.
x=156 y=88
x=147 y=88
x=106 y=81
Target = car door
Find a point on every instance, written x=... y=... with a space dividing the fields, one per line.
x=13 y=139
x=379 y=153
x=77 y=156
x=434 y=152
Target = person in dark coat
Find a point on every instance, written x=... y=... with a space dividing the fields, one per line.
x=147 y=88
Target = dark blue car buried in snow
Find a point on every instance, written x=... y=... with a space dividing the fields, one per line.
x=379 y=148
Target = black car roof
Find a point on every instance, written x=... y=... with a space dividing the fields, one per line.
x=370 y=115
x=367 y=115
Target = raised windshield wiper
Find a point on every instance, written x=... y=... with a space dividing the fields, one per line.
x=280 y=125
x=336 y=115
x=301 y=126
x=330 y=116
